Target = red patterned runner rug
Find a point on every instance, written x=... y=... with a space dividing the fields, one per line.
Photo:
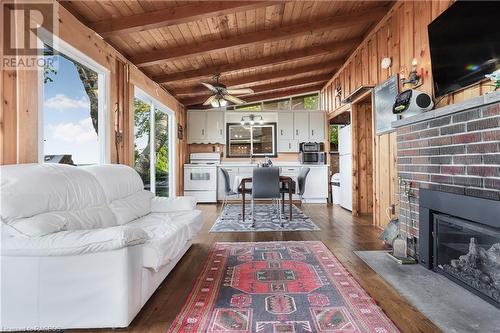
x=278 y=287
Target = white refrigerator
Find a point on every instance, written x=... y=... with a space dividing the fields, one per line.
x=345 y=153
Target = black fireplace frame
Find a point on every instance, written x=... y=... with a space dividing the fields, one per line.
x=474 y=209
x=431 y=203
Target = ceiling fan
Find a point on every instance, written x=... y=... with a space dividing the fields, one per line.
x=221 y=94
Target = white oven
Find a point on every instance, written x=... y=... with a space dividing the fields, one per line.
x=200 y=176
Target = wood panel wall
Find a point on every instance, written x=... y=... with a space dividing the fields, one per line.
x=19 y=142
x=362 y=158
x=402 y=36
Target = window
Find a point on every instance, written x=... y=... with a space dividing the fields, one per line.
x=251 y=140
x=73 y=112
x=249 y=107
x=308 y=102
x=282 y=104
x=153 y=128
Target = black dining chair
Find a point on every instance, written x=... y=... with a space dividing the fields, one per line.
x=301 y=183
x=266 y=185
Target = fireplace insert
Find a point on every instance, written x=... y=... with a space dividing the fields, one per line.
x=459 y=237
x=469 y=254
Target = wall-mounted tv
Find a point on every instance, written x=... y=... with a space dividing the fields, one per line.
x=464 y=44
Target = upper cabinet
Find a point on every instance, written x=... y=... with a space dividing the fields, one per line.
x=285 y=125
x=205 y=127
x=316 y=126
x=293 y=127
x=215 y=126
x=301 y=126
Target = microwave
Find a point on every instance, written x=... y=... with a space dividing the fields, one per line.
x=312 y=157
x=311 y=146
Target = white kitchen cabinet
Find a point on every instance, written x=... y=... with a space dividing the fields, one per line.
x=245 y=172
x=205 y=126
x=215 y=126
x=301 y=126
x=316 y=127
x=316 y=190
x=285 y=126
x=196 y=126
x=288 y=146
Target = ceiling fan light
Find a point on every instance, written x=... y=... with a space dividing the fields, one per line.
x=215 y=103
x=222 y=102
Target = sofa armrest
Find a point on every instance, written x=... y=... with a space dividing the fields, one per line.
x=75 y=242
x=167 y=205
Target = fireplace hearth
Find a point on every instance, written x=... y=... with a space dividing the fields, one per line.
x=460 y=239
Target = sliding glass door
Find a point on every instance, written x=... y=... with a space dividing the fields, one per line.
x=154 y=145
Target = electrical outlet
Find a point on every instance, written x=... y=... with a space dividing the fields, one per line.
x=393 y=209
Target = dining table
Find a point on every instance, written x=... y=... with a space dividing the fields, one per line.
x=242 y=187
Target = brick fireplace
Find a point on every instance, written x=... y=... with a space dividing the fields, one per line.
x=454 y=149
x=451 y=158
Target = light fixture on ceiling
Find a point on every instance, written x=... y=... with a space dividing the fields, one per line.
x=218 y=102
x=251 y=120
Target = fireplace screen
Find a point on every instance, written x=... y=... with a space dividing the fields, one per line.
x=469 y=253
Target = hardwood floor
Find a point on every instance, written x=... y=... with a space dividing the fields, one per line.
x=340 y=232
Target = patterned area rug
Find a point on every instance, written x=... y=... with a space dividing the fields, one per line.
x=278 y=287
x=266 y=219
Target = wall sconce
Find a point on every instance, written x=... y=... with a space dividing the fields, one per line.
x=385 y=63
x=338 y=91
x=251 y=120
x=414 y=77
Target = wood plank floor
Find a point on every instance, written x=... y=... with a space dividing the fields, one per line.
x=340 y=232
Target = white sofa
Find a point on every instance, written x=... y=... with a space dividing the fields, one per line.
x=85 y=247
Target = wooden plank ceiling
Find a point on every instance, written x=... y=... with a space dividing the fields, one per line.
x=277 y=48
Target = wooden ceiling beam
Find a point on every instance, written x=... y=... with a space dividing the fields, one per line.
x=204 y=92
x=255 y=78
x=259 y=37
x=278 y=93
x=173 y=16
x=268 y=61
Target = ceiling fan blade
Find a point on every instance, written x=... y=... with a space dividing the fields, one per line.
x=209 y=100
x=233 y=99
x=209 y=86
x=240 y=91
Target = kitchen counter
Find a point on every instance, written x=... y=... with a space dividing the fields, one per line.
x=278 y=164
x=316 y=188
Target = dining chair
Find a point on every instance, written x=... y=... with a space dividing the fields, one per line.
x=228 y=191
x=227 y=187
x=266 y=185
x=301 y=183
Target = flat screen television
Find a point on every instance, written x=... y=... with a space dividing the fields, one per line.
x=464 y=44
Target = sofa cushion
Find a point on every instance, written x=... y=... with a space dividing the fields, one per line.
x=168 y=235
x=39 y=199
x=166 y=205
x=132 y=207
x=124 y=191
x=76 y=242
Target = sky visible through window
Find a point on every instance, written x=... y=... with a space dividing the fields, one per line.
x=67 y=125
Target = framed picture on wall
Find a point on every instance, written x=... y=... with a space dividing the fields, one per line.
x=180 y=133
x=384 y=97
